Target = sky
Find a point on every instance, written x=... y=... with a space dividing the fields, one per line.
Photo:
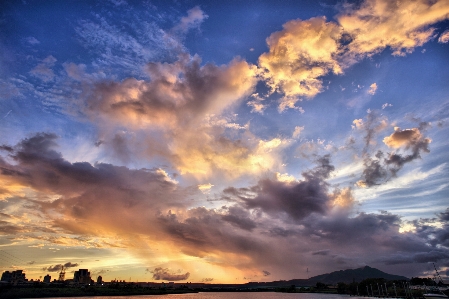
x=224 y=142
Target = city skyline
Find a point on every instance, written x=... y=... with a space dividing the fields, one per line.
x=224 y=142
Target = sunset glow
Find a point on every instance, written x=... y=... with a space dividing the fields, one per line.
x=224 y=142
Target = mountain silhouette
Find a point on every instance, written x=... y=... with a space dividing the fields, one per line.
x=350 y=275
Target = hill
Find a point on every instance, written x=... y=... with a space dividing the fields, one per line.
x=350 y=275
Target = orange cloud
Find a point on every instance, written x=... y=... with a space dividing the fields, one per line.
x=444 y=37
x=299 y=54
x=305 y=51
x=401 y=25
x=403 y=138
x=178 y=94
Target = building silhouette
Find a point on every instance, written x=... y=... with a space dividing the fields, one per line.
x=82 y=276
x=14 y=277
x=99 y=280
x=47 y=278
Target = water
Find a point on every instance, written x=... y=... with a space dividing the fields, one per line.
x=230 y=295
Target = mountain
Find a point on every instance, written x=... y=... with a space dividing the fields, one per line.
x=350 y=275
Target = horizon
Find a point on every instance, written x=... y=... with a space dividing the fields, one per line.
x=210 y=282
x=224 y=142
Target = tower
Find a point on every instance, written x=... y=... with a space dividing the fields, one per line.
x=62 y=274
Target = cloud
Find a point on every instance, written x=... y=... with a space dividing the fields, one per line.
x=126 y=48
x=194 y=18
x=307 y=50
x=405 y=138
x=184 y=104
x=266 y=273
x=178 y=94
x=343 y=198
x=321 y=252
x=408 y=139
x=298 y=130
x=260 y=227
x=382 y=167
x=59 y=267
x=444 y=37
x=380 y=164
x=372 y=125
x=160 y=273
x=32 y=40
x=296 y=199
x=401 y=25
x=205 y=188
x=43 y=70
x=256 y=104
x=239 y=217
x=299 y=54
x=386 y=105
x=372 y=89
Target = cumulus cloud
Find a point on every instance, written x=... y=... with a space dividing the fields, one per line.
x=343 y=197
x=183 y=104
x=177 y=95
x=406 y=138
x=306 y=50
x=400 y=25
x=298 y=56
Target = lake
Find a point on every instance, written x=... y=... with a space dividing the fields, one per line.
x=227 y=295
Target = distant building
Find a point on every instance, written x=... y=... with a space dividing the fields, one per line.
x=47 y=278
x=14 y=277
x=82 y=276
x=99 y=280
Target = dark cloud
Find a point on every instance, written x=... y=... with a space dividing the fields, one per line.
x=207 y=279
x=7 y=228
x=204 y=231
x=432 y=256
x=410 y=143
x=321 y=252
x=298 y=200
x=59 y=267
x=6 y=148
x=120 y=147
x=240 y=218
x=165 y=274
x=266 y=273
x=444 y=216
x=374 y=172
x=409 y=139
x=103 y=198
